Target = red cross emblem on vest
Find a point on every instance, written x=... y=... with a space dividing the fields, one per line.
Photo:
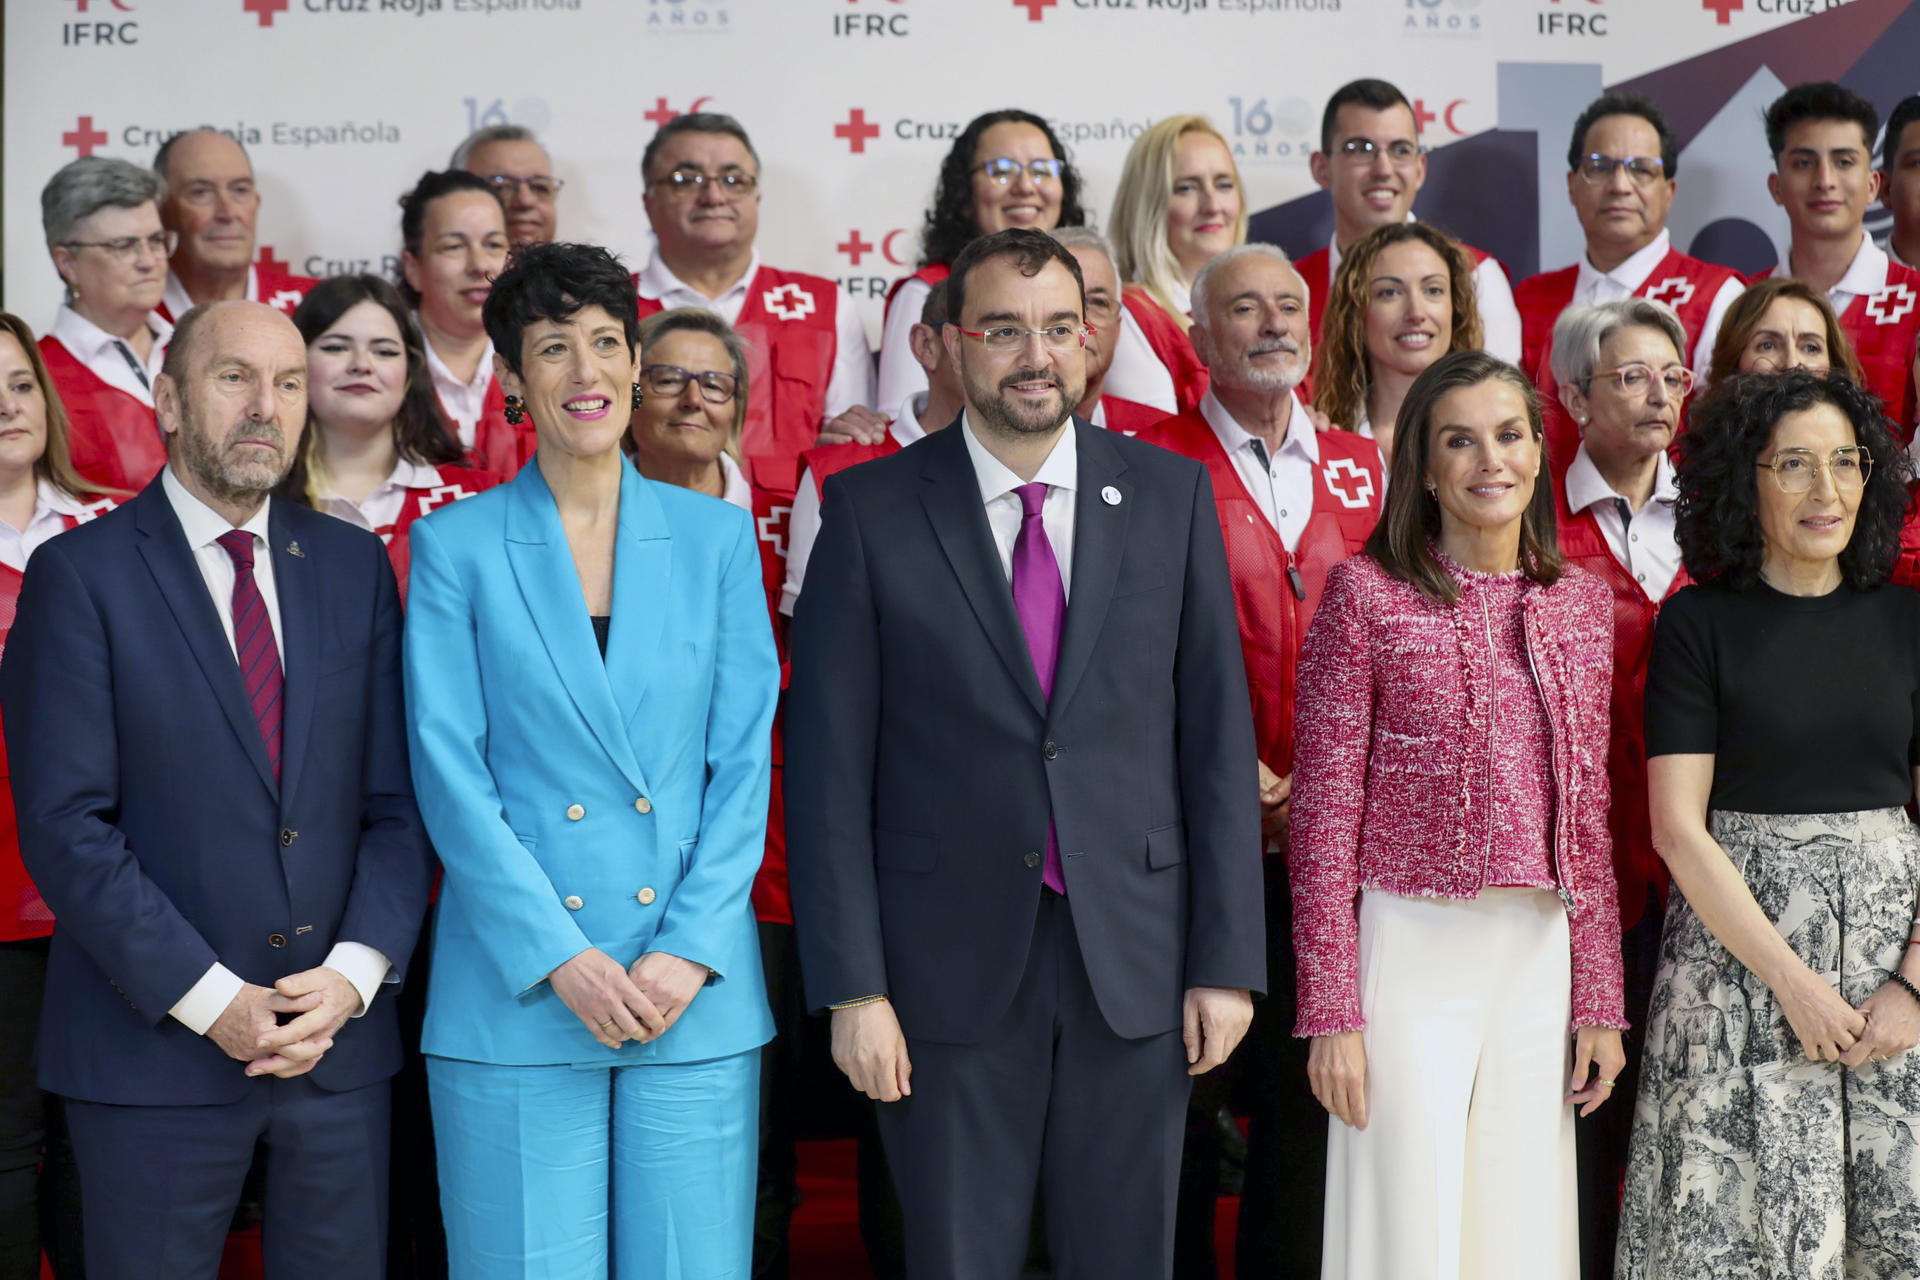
x=94 y=510
x=1890 y=304
x=440 y=496
x=286 y=300
x=788 y=301
x=1348 y=481
x=773 y=525
x=1675 y=291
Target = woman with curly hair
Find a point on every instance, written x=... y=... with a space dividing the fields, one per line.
x=1006 y=169
x=1774 y=1133
x=1403 y=297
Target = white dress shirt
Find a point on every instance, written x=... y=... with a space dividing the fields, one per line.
x=464 y=402
x=803 y=522
x=381 y=508
x=111 y=359
x=1281 y=483
x=178 y=303
x=1004 y=510
x=1592 y=286
x=900 y=374
x=850 y=383
x=1493 y=296
x=1642 y=541
x=51 y=507
x=1867 y=273
x=734 y=487
x=358 y=963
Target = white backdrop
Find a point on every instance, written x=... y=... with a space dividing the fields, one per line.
x=851 y=103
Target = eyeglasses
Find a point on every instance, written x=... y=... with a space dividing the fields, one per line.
x=1399 y=151
x=128 y=248
x=1007 y=337
x=540 y=186
x=731 y=182
x=1636 y=380
x=670 y=380
x=1002 y=169
x=1795 y=470
x=1644 y=170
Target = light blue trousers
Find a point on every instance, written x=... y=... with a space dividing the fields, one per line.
x=597 y=1173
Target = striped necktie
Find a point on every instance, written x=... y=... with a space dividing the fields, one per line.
x=253 y=642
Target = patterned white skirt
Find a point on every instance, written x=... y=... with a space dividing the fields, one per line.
x=1747 y=1160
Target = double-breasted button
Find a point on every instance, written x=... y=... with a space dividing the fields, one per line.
x=1032 y=859
x=646 y=896
x=575 y=812
x=643 y=805
x=288 y=835
x=276 y=940
x=1051 y=750
x=573 y=902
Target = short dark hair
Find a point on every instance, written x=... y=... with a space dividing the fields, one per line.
x=555 y=282
x=1905 y=112
x=413 y=212
x=1375 y=95
x=1402 y=541
x=1818 y=100
x=949 y=219
x=934 y=310
x=694 y=122
x=1030 y=249
x=421 y=432
x=1621 y=103
x=1716 y=518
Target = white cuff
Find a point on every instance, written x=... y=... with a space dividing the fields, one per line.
x=362 y=966
x=207 y=999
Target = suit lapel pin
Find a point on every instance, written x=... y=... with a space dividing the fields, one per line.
x=293 y=549
x=1110 y=496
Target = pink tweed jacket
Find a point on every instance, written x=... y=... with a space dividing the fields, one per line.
x=1387 y=723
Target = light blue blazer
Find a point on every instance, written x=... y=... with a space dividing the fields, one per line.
x=578 y=804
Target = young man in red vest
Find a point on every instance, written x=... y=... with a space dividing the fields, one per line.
x=213 y=205
x=1622 y=165
x=1900 y=181
x=1371 y=162
x=1292 y=502
x=1821 y=137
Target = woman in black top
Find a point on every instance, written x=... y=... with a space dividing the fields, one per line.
x=1775 y=1131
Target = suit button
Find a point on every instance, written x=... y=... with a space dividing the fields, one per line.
x=573 y=902
x=1051 y=750
x=288 y=836
x=1032 y=859
x=646 y=896
x=276 y=940
x=643 y=805
x=575 y=813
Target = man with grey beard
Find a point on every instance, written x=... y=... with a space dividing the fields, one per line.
x=202 y=703
x=1021 y=804
x=1292 y=503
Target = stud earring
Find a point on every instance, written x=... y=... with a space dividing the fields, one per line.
x=516 y=410
x=636 y=395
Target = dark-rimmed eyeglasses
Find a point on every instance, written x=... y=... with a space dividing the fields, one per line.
x=1011 y=337
x=1003 y=168
x=128 y=248
x=1795 y=470
x=670 y=380
x=730 y=182
x=1596 y=168
x=541 y=186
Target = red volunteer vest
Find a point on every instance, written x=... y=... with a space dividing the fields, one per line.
x=455 y=483
x=283 y=292
x=499 y=446
x=22 y=912
x=114 y=439
x=1884 y=328
x=1129 y=417
x=1170 y=343
x=1636 y=866
x=1685 y=283
x=1276 y=591
x=931 y=274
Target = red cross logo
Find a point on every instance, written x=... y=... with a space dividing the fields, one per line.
x=264 y=9
x=1723 y=10
x=857 y=130
x=773 y=529
x=788 y=301
x=80 y=6
x=84 y=137
x=1885 y=312
x=1421 y=116
x=285 y=301
x=1036 y=9
x=94 y=510
x=855 y=247
x=268 y=262
x=1348 y=481
x=1675 y=291
x=440 y=496
x=661 y=112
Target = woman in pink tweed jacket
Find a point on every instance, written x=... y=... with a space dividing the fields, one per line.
x=1454 y=902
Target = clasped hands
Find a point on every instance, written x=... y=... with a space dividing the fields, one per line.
x=1831 y=1030
x=249 y=1029
x=617 y=1004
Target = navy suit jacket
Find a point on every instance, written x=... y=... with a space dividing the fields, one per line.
x=923 y=761
x=149 y=814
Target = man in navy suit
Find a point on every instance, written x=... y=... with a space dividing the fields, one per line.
x=202 y=704
x=1023 y=817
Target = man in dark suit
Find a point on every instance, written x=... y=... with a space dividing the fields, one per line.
x=1023 y=817
x=202 y=703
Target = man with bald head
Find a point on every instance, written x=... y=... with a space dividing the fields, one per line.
x=202 y=705
x=210 y=201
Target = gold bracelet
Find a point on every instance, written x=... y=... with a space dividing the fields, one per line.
x=855 y=1004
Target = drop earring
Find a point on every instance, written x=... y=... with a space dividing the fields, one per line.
x=516 y=410
x=636 y=395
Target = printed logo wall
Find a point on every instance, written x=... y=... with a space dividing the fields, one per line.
x=852 y=104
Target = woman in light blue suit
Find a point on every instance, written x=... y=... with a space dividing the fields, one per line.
x=591 y=678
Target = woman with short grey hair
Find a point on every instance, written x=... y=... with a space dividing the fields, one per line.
x=106 y=344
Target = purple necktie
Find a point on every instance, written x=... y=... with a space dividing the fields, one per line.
x=253 y=642
x=1041 y=601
